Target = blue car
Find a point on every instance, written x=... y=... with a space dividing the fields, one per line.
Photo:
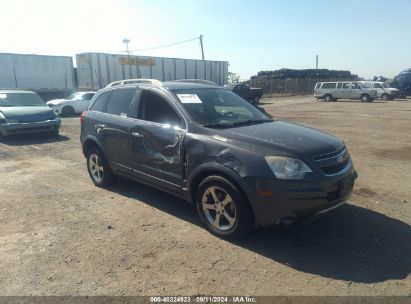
x=24 y=112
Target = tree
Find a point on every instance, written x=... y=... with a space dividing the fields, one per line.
x=233 y=77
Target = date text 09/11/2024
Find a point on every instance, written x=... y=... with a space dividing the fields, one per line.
x=203 y=299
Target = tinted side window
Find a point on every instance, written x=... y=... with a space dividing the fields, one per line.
x=101 y=102
x=329 y=85
x=155 y=108
x=119 y=102
x=339 y=85
x=88 y=96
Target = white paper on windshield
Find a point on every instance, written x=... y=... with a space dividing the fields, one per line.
x=189 y=98
x=3 y=95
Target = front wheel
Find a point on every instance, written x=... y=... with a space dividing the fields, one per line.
x=98 y=168
x=385 y=97
x=256 y=100
x=223 y=208
x=67 y=111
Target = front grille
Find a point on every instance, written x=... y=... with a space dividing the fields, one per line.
x=332 y=163
x=31 y=129
x=328 y=155
x=333 y=169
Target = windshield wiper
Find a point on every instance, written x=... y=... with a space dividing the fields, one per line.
x=218 y=125
x=251 y=121
x=236 y=124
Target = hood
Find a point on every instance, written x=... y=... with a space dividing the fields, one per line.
x=392 y=89
x=55 y=101
x=283 y=138
x=28 y=114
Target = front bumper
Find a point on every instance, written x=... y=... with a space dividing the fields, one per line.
x=297 y=199
x=30 y=127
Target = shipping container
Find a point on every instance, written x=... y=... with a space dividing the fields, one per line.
x=47 y=75
x=96 y=70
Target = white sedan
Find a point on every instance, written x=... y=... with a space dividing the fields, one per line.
x=76 y=103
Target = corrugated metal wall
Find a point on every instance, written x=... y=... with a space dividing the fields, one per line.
x=96 y=70
x=36 y=72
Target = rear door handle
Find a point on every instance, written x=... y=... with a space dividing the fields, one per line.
x=136 y=134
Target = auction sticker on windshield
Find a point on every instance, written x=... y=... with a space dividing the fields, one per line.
x=189 y=98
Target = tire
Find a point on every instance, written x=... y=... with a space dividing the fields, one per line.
x=67 y=111
x=98 y=168
x=218 y=197
x=2 y=136
x=335 y=99
x=256 y=100
x=385 y=97
x=328 y=98
x=365 y=98
x=55 y=133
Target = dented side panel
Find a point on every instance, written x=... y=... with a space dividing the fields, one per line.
x=157 y=150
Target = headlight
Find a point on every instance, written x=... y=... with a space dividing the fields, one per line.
x=287 y=168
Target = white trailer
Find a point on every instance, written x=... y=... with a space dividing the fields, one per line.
x=96 y=70
x=47 y=75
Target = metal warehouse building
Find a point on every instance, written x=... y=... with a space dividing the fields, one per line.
x=96 y=70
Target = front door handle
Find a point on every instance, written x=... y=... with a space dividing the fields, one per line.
x=136 y=134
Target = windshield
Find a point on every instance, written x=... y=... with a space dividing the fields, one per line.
x=219 y=108
x=75 y=96
x=20 y=100
x=386 y=85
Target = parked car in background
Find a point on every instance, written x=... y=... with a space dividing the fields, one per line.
x=384 y=90
x=242 y=89
x=209 y=146
x=332 y=91
x=26 y=112
x=76 y=103
x=403 y=83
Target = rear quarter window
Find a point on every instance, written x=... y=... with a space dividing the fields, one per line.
x=100 y=104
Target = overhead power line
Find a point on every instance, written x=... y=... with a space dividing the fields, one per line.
x=165 y=45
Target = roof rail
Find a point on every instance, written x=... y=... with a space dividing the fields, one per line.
x=135 y=81
x=202 y=81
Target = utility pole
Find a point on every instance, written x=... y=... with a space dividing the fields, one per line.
x=126 y=41
x=202 y=48
x=316 y=62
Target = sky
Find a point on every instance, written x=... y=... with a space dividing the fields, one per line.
x=367 y=37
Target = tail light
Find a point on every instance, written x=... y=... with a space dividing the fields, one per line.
x=83 y=115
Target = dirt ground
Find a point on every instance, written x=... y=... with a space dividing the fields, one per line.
x=55 y=236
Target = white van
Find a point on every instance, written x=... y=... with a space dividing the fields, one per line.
x=384 y=91
x=332 y=91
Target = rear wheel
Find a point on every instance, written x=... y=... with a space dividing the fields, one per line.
x=67 y=111
x=98 y=168
x=222 y=207
x=328 y=98
x=365 y=98
x=385 y=97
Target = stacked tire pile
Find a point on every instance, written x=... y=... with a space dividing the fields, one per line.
x=291 y=81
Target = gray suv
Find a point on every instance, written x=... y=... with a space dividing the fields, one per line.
x=332 y=91
x=209 y=146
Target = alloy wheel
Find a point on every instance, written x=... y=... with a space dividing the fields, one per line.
x=219 y=208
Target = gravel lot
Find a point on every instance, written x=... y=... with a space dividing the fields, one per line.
x=55 y=236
